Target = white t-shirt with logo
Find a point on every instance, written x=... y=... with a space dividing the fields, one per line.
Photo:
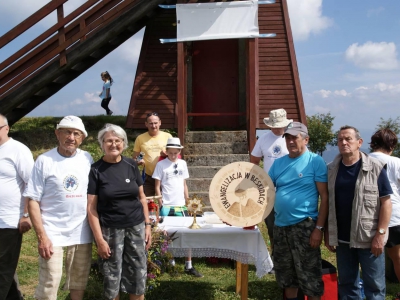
x=172 y=176
x=271 y=147
x=16 y=164
x=393 y=173
x=60 y=185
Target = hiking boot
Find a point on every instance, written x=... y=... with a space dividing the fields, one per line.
x=110 y=113
x=194 y=272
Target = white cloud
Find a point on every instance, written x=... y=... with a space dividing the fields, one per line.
x=376 y=56
x=323 y=93
x=130 y=50
x=375 y=11
x=306 y=18
x=341 y=93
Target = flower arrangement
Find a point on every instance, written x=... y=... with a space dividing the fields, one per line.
x=158 y=257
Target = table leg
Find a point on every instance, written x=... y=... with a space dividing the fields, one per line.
x=242 y=279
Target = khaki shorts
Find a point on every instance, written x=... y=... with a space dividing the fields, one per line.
x=78 y=260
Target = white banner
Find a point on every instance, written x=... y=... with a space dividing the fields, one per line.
x=219 y=20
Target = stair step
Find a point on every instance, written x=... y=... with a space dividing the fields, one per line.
x=215 y=160
x=216 y=148
x=198 y=184
x=215 y=137
x=203 y=171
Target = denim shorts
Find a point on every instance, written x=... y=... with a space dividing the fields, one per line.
x=296 y=263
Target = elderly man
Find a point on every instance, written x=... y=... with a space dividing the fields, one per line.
x=16 y=164
x=300 y=178
x=359 y=214
x=152 y=144
x=57 y=192
x=271 y=146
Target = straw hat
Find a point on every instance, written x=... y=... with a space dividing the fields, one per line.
x=174 y=143
x=277 y=119
x=242 y=194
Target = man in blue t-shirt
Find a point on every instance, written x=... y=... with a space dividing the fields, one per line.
x=359 y=214
x=300 y=179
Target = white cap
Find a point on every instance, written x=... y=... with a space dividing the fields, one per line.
x=72 y=122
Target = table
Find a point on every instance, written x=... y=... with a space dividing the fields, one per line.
x=223 y=241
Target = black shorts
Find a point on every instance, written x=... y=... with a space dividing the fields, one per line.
x=394 y=236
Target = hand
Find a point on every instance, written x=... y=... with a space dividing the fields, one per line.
x=140 y=162
x=45 y=248
x=316 y=238
x=326 y=238
x=103 y=249
x=377 y=244
x=24 y=225
x=147 y=236
x=163 y=153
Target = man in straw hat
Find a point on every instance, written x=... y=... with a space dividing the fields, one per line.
x=300 y=179
x=271 y=146
x=57 y=192
x=170 y=176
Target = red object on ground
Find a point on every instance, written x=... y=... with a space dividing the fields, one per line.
x=250 y=227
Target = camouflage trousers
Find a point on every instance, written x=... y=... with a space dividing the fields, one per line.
x=296 y=264
x=126 y=269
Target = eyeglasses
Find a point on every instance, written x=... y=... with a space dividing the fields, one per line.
x=110 y=142
x=176 y=167
x=152 y=114
x=67 y=132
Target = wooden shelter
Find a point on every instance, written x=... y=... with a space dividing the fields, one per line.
x=217 y=84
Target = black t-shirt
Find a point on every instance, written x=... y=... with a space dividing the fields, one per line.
x=117 y=188
x=344 y=194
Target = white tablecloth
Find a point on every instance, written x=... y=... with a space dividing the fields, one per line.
x=218 y=240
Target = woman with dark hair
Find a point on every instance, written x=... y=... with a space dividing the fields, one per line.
x=382 y=144
x=119 y=217
x=105 y=94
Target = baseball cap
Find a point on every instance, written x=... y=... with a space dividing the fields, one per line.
x=295 y=128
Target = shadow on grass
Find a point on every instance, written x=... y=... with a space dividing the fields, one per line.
x=182 y=290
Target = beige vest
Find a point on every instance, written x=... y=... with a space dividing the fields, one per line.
x=366 y=203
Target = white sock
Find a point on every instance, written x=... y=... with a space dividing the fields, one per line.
x=172 y=262
x=188 y=264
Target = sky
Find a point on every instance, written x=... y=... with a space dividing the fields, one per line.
x=347 y=55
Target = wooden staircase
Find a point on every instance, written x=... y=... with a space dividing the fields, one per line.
x=66 y=50
x=206 y=152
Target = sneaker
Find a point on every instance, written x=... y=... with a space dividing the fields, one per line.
x=272 y=271
x=194 y=272
x=110 y=113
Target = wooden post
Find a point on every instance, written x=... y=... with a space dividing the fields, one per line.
x=242 y=278
x=252 y=90
x=61 y=35
x=181 y=111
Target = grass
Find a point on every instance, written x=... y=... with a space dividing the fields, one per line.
x=218 y=282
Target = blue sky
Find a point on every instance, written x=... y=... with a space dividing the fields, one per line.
x=347 y=54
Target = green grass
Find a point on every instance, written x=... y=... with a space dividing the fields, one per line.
x=218 y=282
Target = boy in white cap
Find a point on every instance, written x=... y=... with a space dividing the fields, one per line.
x=57 y=193
x=170 y=177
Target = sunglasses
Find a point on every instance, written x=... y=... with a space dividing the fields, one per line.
x=152 y=114
x=176 y=167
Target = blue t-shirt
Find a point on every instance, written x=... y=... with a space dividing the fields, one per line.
x=344 y=194
x=296 y=190
x=106 y=85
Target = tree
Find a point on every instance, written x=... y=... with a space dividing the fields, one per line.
x=394 y=125
x=320 y=132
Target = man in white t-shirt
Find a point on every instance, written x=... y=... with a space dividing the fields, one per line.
x=16 y=164
x=271 y=146
x=57 y=192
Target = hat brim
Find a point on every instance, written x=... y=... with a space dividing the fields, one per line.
x=293 y=131
x=277 y=124
x=174 y=146
x=72 y=127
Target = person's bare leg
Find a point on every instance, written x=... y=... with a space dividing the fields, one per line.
x=116 y=298
x=291 y=292
x=76 y=294
x=136 y=297
x=394 y=254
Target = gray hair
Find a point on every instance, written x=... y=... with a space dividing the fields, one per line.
x=357 y=133
x=303 y=135
x=116 y=130
x=5 y=119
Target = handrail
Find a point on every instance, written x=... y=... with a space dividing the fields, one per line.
x=25 y=62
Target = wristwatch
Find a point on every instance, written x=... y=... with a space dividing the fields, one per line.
x=381 y=231
x=320 y=228
x=25 y=215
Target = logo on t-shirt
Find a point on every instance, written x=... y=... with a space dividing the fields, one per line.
x=277 y=150
x=70 y=183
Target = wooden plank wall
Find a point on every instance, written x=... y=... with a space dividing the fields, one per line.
x=155 y=87
x=279 y=82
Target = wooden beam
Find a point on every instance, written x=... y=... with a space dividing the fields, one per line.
x=61 y=35
x=252 y=90
x=292 y=52
x=181 y=115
